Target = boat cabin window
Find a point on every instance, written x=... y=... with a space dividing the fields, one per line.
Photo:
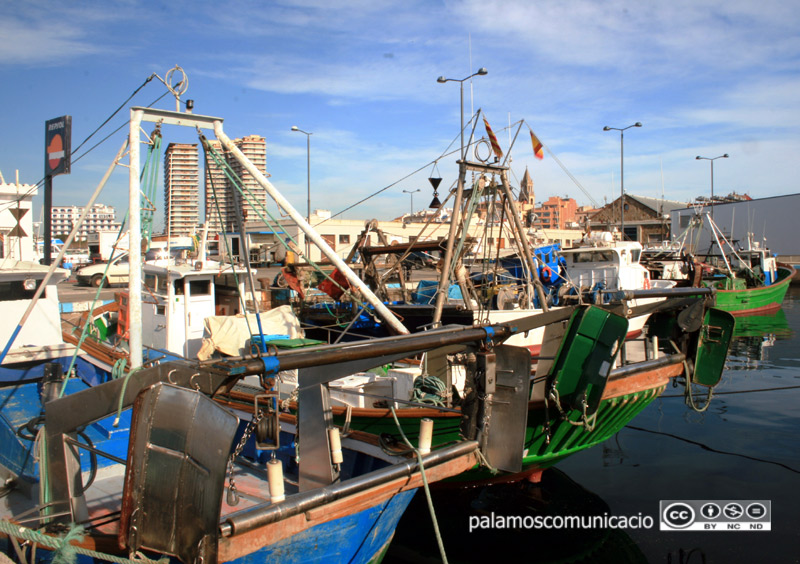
x=200 y=287
x=597 y=255
x=150 y=280
x=15 y=290
x=635 y=254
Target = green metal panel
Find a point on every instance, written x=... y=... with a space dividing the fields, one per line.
x=712 y=347
x=583 y=362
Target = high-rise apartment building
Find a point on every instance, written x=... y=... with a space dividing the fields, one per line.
x=181 y=189
x=223 y=200
x=219 y=204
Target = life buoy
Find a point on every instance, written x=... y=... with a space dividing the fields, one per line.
x=646 y=282
x=546 y=273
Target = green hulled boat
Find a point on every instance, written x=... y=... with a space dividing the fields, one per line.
x=734 y=295
x=577 y=401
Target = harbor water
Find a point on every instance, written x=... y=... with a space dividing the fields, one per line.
x=745 y=447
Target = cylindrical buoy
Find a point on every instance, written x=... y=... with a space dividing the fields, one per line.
x=425 y=435
x=275 y=477
x=336 y=446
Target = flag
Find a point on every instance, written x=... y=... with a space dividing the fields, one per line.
x=537 y=146
x=493 y=140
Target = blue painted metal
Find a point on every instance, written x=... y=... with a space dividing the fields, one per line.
x=357 y=539
x=18 y=374
x=21 y=404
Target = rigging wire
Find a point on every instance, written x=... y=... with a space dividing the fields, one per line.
x=39 y=183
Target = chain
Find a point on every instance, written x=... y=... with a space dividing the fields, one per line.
x=233 y=495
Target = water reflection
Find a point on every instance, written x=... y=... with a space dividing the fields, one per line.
x=754 y=339
x=746 y=446
x=556 y=495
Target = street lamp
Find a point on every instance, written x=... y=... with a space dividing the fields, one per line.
x=481 y=72
x=699 y=158
x=411 y=193
x=308 y=181
x=622 y=174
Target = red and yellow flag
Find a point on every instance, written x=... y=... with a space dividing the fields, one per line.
x=493 y=140
x=537 y=146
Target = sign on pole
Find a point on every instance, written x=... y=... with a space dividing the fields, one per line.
x=57 y=141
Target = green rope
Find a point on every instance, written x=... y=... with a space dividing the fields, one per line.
x=152 y=156
x=424 y=484
x=430 y=390
x=118 y=370
x=206 y=149
x=150 y=174
x=65 y=551
x=122 y=394
x=87 y=323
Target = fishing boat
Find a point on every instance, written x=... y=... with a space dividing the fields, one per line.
x=288 y=498
x=32 y=335
x=747 y=278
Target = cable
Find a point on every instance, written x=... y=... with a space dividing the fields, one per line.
x=710 y=449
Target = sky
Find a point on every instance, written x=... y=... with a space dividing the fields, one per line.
x=703 y=77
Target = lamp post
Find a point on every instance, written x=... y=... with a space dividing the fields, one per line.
x=411 y=193
x=622 y=174
x=711 y=160
x=481 y=72
x=308 y=181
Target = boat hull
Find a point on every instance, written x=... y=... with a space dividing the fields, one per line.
x=359 y=537
x=753 y=301
x=623 y=399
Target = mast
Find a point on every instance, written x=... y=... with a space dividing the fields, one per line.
x=138 y=115
x=444 y=281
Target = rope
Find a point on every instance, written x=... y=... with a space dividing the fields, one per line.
x=85 y=331
x=690 y=396
x=424 y=484
x=65 y=551
x=206 y=147
x=122 y=395
x=430 y=390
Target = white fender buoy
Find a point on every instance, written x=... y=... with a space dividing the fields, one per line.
x=425 y=435
x=336 y=446
x=275 y=478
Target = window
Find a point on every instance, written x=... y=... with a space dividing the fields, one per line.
x=344 y=239
x=200 y=287
x=593 y=256
x=15 y=290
